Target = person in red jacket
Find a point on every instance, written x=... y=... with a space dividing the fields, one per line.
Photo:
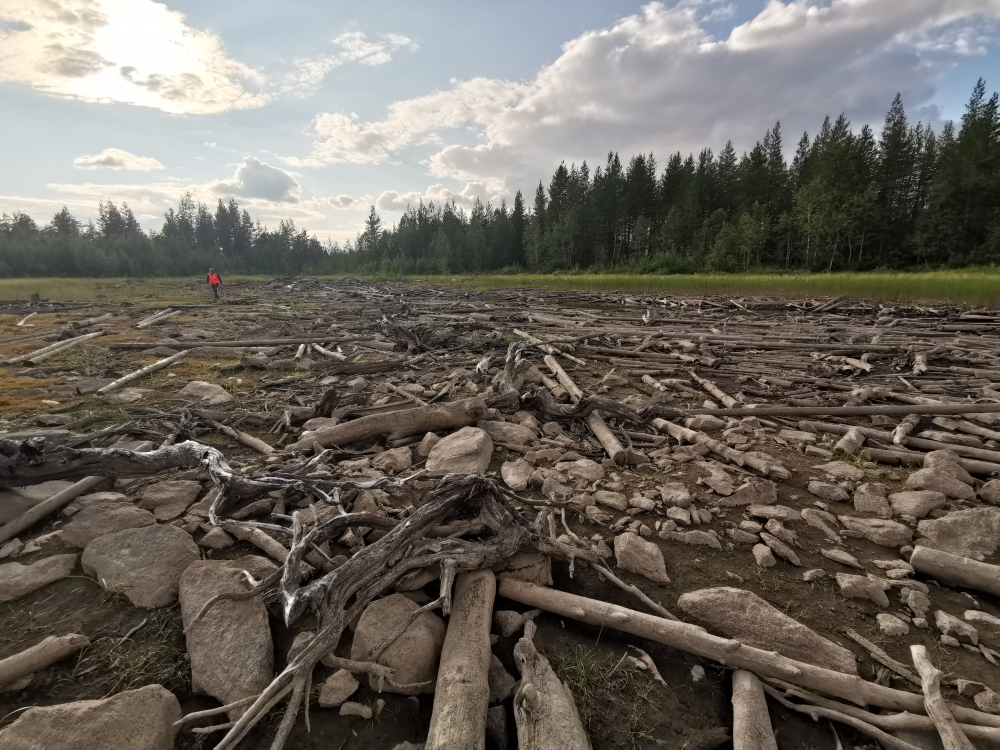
x=214 y=281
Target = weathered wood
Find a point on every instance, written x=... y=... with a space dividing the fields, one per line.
x=830 y=411
x=57 y=502
x=39 y=656
x=249 y=343
x=952 y=736
x=595 y=421
x=45 y=352
x=956 y=570
x=751 y=720
x=133 y=376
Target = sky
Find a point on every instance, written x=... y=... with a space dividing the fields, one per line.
x=317 y=111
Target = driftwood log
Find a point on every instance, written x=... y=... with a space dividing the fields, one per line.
x=39 y=656
x=956 y=570
x=751 y=720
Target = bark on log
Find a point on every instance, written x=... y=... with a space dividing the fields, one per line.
x=956 y=570
x=462 y=694
x=751 y=721
x=39 y=656
x=399 y=424
x=731 y=653
x=615 y=450
x=155 y=320
x=952 y=736
x=92 y=321
x=544 y=710
x=132 y=376
x=57 y=502
x=45 y=352
x=550 y=350
x=145 y=322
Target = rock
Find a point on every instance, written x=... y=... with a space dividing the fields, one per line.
x=553 y=487
x=757 y=492
x=830 y=492
x=842 y=471
x=823 y=521
x=413 y=656
x=216 y=539
x=681 y=515
x=744 y=616
x=891 y=625
x=397 y=459
x=98 y=520
x=970 y=533
x=861 y=587
x=501 y=683
x=507 y=432
x=639 y=556
x=879 y=530
x=356 y=709
x=338 y=688
x=781 y=549
x=990 y=492
x=951 y=625
x=675 y=494
x=614 y=500
x=584 y=468
x=870 y=498
x=988 y=701
x=988 y=627
x=529 y=565
x=704 y=423
x=16 y=579
x=94 y=499
x=508 y=622
x=764 y=556
x=207 y=393
x=144 y=563
x=842 y=557
x=781 y=512
x=947 y=640
x=813 y=574
x=127 y=395
x=695 y=538
x=14 y=502
x=516 y=473
x=718 y=479
x=135 y=719
x=916 y=503
x=232 y=655
x=169 y=500
x=918 y=602
x=950 y=462
x=798 y=436
x=596 y=514
x=467 y=451
x=743 y=537
x=939 y=480
x=427 y=444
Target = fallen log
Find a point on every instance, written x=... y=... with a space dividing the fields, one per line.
x=39 y=656
x=132 y=376
x=139 y=345
x=462 y=693
x=956 y=570
x=92 y=321
x=751 y=721
x=730 y=653
x=667 y=412
x=399 y=424
x=595 y=421
x=44 y=353
x=952 y=736
x=57 y=502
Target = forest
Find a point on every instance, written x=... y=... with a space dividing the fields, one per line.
x=904 y=198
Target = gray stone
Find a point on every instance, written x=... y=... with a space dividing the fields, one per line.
x=648 y=504
x=744 y=616
x=843 y=557
x=879 y=530
x=467 y=451
x=990 y=492
x=516 y=474
x=861 y=587
x=614 y=500
x=988 y=627
x=918 y=602
x=891 y=625
x=427 y=444
x=694 y=538
x=916 y=503
x=94 y=499
x=501 y=683
x=350 y=708
x=813 y=574
x=140 y=719
x=338 y=688
x=940 y=480
x=413 y=656
x=950 y=462
x=16 y=579
x=970 y=533
x=764 y=556
x=98 y=520
x=951 y=625
x=207 y=393
x=232 y=655
x=127 y=395
x=870 y=498
x=397 y=459
x=639 y=556
x=987 y=701
x=529 y=565
x=584 y=468
x=169 y=500
x=830 y=492
x=14 y=502
x=216 y=539
x=676 y=494
x=143 y=563
x=842 y=471
x=508 y=432
x=756 y=492
x=718 y=479
x=704 y=423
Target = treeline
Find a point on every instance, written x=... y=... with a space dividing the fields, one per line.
x=902 y=198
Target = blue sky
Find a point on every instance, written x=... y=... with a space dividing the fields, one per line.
x=316 y=111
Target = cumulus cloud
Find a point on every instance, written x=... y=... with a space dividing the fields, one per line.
x=657 y=80
x=393 y=200
x=116 y=158
x=257 y=179
x=130 y=51
x=347 y=201
x=353 y=47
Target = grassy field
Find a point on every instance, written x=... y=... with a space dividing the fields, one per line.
x=979 y=286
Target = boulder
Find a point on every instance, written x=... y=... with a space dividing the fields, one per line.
x=764 y=556
x=350 y=708
x=841 y=471
x=232 y=655
x=530 y=565
x=879 y=530
x=744 y=616
x=986 y=625
x=704 y=423
x=949 y=462
x=676 y=494
x=508 y=432
x=990 y=492
x=140 y=719
x=467 y=451
x=516 y=474
x=338 y=688
x=207 y=393
x=951 y=625
x=16 y=579
x=169 y=500
x=830 y=492
x=427 y=444
x=128 y=395
x=756 y=492
x=216 y=538
x=636 y=555
x=891 y=625
x=970 y=533
x=862 y=587
x=94 y=499
x=615 y=500
x=987 y=701
x=14 y=502
x=98 y=520
x=584 y=468
x=397 y=459
x=939 y=480
x=413 y=657
x=143 y=563
x=916 y=503
x=870 y=498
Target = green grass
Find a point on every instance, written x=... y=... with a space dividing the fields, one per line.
x=176 y=290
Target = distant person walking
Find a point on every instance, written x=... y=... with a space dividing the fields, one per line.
x=214 y=280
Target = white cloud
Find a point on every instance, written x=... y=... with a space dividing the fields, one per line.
x=347 y=201
x=130 y=51
x=354 y=47
x=116 y=158
x=392 y=200
x=257 y=179
x=658 y=81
